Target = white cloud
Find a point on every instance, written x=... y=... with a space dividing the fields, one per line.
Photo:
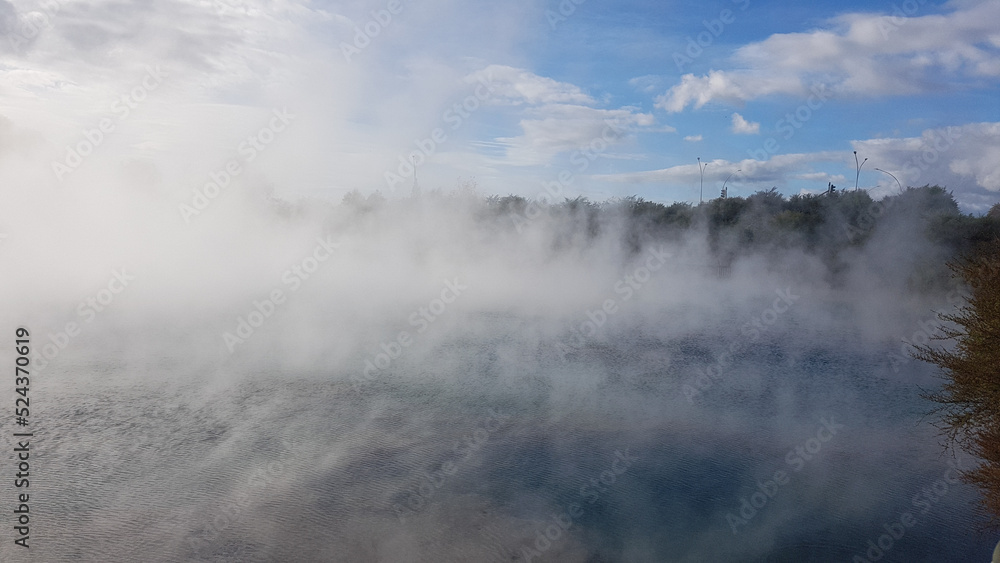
x=558 y=128
x=733 y=87
x=743 y=127
x=859 y=54
x=648 y=83
x=693 y=138
x=556 y=117
x=518 y=86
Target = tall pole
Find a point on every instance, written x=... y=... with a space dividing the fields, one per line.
x=858 y=175
x=701 y=196
x=415 y=190
x=893 y=177
x=727 y=180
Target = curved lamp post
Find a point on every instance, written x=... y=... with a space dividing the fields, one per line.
x=893 y=177
x=858 y=175
x=727 y=180
x=701 y=196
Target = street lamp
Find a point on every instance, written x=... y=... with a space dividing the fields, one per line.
x=893 y=177
x=415 y=190
x=858 y=175
x=727 y=180
x=701 y=196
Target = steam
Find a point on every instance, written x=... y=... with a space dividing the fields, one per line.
x=581 y=326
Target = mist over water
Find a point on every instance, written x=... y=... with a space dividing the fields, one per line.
x=423 y=381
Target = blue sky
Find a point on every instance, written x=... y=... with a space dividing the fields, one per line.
x=619 y=95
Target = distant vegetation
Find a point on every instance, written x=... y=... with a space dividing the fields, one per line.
x=828 y=225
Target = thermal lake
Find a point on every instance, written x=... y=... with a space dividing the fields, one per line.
x=499 y=440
